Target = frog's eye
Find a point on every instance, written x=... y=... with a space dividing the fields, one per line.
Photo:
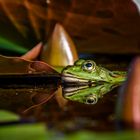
x=92 y=99
x=89 y=66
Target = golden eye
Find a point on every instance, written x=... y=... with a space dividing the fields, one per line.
x=92 y=99
x=89 y=66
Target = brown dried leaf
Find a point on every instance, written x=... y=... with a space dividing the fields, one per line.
x=17 y=65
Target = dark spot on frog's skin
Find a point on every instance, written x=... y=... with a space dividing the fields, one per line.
x=111 y=31
x=104 y=14
x=68 y=66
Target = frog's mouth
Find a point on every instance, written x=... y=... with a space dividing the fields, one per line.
x=71 y=79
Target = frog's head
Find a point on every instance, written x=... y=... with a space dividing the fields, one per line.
x=87 y=72
x=86 y=94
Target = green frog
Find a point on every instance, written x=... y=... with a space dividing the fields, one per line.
x=97 y=80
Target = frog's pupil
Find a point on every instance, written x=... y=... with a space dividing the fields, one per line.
x=88 y=65
x=90 y=101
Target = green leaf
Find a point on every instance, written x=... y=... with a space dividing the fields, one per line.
x=8 y=116
x=23 y=132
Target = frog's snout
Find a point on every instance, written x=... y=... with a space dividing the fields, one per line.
x=64 y=69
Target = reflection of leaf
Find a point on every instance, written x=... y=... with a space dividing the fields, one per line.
x=18 y=96
x=19 y=100
x=40 y=99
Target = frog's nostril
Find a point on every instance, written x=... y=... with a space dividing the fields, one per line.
x=111 y=74
x=68 y=66
x=115 y=75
